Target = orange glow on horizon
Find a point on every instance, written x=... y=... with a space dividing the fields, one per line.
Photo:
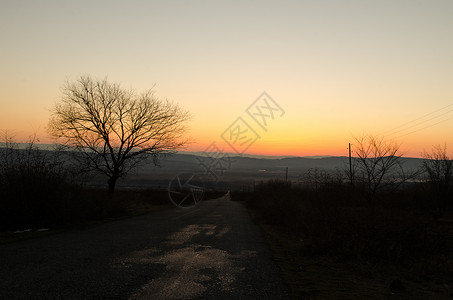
x=414 y=147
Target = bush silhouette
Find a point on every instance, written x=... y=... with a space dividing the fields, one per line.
x=35 y=186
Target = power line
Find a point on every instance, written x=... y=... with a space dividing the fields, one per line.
x=420 y=123
x=404 y=127
x=425 y=127
x=416 y=119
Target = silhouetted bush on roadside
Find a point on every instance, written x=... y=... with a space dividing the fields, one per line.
x=44 y=188
x=399 y=227
x=277 y=201
x=35 y=186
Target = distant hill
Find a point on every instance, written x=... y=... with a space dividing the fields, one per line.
x=250 y=163
x=238 y=171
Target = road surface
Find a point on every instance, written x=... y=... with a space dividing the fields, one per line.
x=212 y=251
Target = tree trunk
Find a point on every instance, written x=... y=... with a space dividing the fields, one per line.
x=112 y=183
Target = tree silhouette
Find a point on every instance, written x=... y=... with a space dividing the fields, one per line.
x=440 y=170
x=379 y=162
x=111 y=129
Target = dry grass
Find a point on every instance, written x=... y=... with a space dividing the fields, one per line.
x=331 y=277
x=336 y=244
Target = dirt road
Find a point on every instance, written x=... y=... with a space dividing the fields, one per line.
x=212 y=251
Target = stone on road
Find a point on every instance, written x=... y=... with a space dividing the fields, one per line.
x=211 y=251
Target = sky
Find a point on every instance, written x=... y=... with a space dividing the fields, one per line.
x=330 y=71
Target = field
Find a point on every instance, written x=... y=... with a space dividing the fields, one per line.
x=335 y=243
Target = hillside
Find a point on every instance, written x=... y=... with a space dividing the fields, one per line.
x=239 y=172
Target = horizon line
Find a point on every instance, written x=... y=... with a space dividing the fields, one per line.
x=232 y=154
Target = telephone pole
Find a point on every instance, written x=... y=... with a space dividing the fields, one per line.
x=286 y=178
x=350 y=164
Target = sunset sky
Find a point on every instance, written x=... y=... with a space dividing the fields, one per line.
x=337 y=69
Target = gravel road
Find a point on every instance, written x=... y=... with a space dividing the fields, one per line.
x=212 y=251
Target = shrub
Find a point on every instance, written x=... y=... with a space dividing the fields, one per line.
x=35 y=186
x=340 y=221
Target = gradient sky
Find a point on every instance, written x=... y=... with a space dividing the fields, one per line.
x=338 y=69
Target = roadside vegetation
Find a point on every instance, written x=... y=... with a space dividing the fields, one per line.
x=41 y=189
x=46 y=189
x=337 y=238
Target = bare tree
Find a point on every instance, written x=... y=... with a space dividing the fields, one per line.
x=113 y=129
x=379 y=162
x=439 y=168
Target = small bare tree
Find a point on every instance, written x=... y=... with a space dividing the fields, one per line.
x=112 y=129
x=439 y=168
x=379 y=162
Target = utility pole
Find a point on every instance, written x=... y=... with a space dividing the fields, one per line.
x=286 y=178
x=350 y=164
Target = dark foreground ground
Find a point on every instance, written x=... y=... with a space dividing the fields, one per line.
x=212 y=251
